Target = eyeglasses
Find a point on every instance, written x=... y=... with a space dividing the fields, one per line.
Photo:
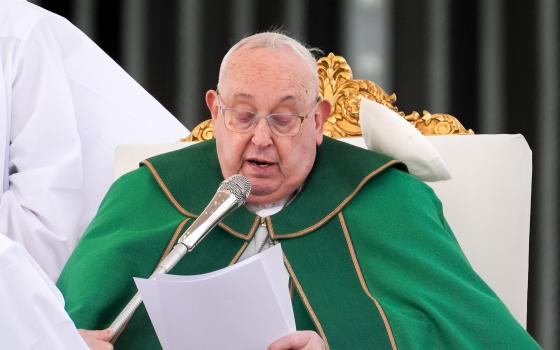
x=281 y=124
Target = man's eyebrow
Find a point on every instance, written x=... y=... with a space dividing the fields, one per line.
x=246 y=96
x=288 y=98
x=243 y=96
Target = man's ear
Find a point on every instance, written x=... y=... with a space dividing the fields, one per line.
x=212 y=103
x=321 y=114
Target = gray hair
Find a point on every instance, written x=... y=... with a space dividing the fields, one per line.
x=275 y=41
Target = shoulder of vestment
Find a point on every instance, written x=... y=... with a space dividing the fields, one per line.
x=190 y=176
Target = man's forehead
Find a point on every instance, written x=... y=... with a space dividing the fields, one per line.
x=251 y=97
x=275 y=74
x=282 y=53
x=281 y=62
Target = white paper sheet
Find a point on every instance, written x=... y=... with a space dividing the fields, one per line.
x=244 y=306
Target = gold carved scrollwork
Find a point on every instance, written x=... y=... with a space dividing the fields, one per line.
x=337 y=85
x=437 y=124
x=201 y=132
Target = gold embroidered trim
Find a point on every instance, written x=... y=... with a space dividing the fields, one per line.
x=239 y=253
x=340 y=206
x=178 y=206
x=363 y=281
x=249 y=238
x=306 y=302
x=254 y=228
x=165 y=189
x=173 y=239
x=269 y=227
x=246 y=237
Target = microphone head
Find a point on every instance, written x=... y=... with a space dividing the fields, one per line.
x=239 y=186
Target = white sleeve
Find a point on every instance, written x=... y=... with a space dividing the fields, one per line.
x=111 y=109
x=33 y=315
x=41 y=206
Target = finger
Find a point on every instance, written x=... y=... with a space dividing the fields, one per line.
x=102 y=334
x=106 y=334
x=294 y=340
x=95 y=339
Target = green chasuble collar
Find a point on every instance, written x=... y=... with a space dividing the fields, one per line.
x=191 y=197
x=351 y=166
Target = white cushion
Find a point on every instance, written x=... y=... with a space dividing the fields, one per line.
x=388 y=133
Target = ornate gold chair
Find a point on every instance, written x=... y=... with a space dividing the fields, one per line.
x=337 y=85
x=487 y=201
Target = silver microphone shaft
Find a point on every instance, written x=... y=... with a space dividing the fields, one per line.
x=223 y=202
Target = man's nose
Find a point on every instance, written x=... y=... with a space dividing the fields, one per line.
x=262 y=135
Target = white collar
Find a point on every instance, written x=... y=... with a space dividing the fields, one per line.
x=264 y=210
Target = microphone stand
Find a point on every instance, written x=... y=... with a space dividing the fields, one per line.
x=222 y=204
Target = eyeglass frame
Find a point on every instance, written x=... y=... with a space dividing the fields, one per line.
x=266 y=117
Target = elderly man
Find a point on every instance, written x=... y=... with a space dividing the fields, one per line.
x=371 y=259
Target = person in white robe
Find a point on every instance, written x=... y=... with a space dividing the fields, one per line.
x=33 y=315
x=64 y=107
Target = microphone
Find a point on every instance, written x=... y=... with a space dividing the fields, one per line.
x=231 y=194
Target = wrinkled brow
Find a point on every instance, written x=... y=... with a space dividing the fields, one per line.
x=243 y=96
x=246 y=96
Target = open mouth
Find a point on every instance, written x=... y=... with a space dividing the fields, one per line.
x=259 y=163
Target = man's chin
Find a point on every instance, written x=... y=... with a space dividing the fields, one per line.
x=260 y=195
x=266 y=191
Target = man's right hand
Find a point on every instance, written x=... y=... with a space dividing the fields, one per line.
x=97 y=340
x=299 y=340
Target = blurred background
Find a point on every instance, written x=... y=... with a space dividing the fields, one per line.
x=491 y=63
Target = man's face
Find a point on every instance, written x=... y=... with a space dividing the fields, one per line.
x=267 y=81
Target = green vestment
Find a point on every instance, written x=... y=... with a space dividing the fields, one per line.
x=372 y=260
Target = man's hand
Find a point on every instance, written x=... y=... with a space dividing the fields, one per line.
x=97 y=340
x=299 y=340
